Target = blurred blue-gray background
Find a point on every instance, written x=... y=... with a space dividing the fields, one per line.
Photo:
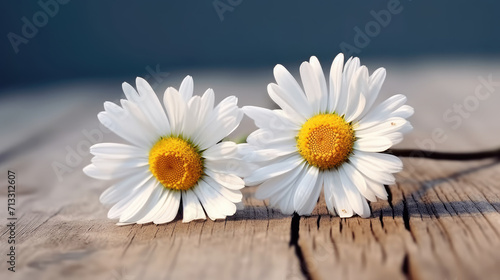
x=56 y=40
x=61 y=59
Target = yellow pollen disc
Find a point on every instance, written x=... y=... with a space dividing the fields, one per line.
x=325 y=140
x=175 y=163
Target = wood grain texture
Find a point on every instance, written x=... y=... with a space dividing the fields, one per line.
x=442 y=220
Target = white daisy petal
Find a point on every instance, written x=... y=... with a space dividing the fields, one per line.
x=200 y=115
x=272 y=138
x=130 y=92
x=117 y=210
x=295 y=122
x=377 y=188
x=216 y=206
x=221 y=150
x=366 y=212
x=93 y=171
x=268 y=118
x=151 y=106
x=206 y=106
x=290 y=87
x=230 y=123
x=143 y=203
x=285 y=200
x=328 y=191
x=147 y=130
x=120 y=128
x=395 y=137
x=307 y=193
x=246 y=150
x=186 y=88
x=121 y=116
x=335 y=82
x=374 y=85
x=234 y=196
x=356 y=100
x=170 y=208
x=117 y=151
x=193 y=107
x=224 y=119
x=292 y=107
x=111 y=164
x=267 y=172
x=359 y=181
x=382 y=111
x=176 y=109
x=141 y=102
x=286 y=203
x=192 y=209
x=269 y=154
x=404 y=111
x=379 y=161
x=230 y=166
x=373 y=144
x=311 y=87
x=343 y=207
x=155 y=211
x=229 y=181
x=357 y=202
x=121 y=189
x=386 y=127
x=320 y=76
x=371 y=171
x=278 y=184
x=351 y=66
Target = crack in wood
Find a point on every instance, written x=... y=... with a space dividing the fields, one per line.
x=405 y=267
x=389 y=198
x=406 y=215
x=381 y=218
x=294 y=242
x=334 y=244
x=128 y=246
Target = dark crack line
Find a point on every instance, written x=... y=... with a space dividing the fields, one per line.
x=406 y=215
x=405 y=267
x=389 y=198
x=381 y=218
x=415 y=153
x=294 y=242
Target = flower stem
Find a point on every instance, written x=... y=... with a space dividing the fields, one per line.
x=444 y=155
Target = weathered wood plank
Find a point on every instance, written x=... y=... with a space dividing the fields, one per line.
x=445 y=226
x=77 y=240
x=441 y=222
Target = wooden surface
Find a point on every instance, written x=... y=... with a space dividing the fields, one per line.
x=442 y=220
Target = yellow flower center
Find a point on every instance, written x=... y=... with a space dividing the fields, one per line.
x=325 y=140
x=175 y=163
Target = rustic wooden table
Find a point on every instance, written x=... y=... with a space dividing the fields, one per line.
x=442 y=220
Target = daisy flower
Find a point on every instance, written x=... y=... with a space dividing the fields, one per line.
x=327 y=137
x=174 y=154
